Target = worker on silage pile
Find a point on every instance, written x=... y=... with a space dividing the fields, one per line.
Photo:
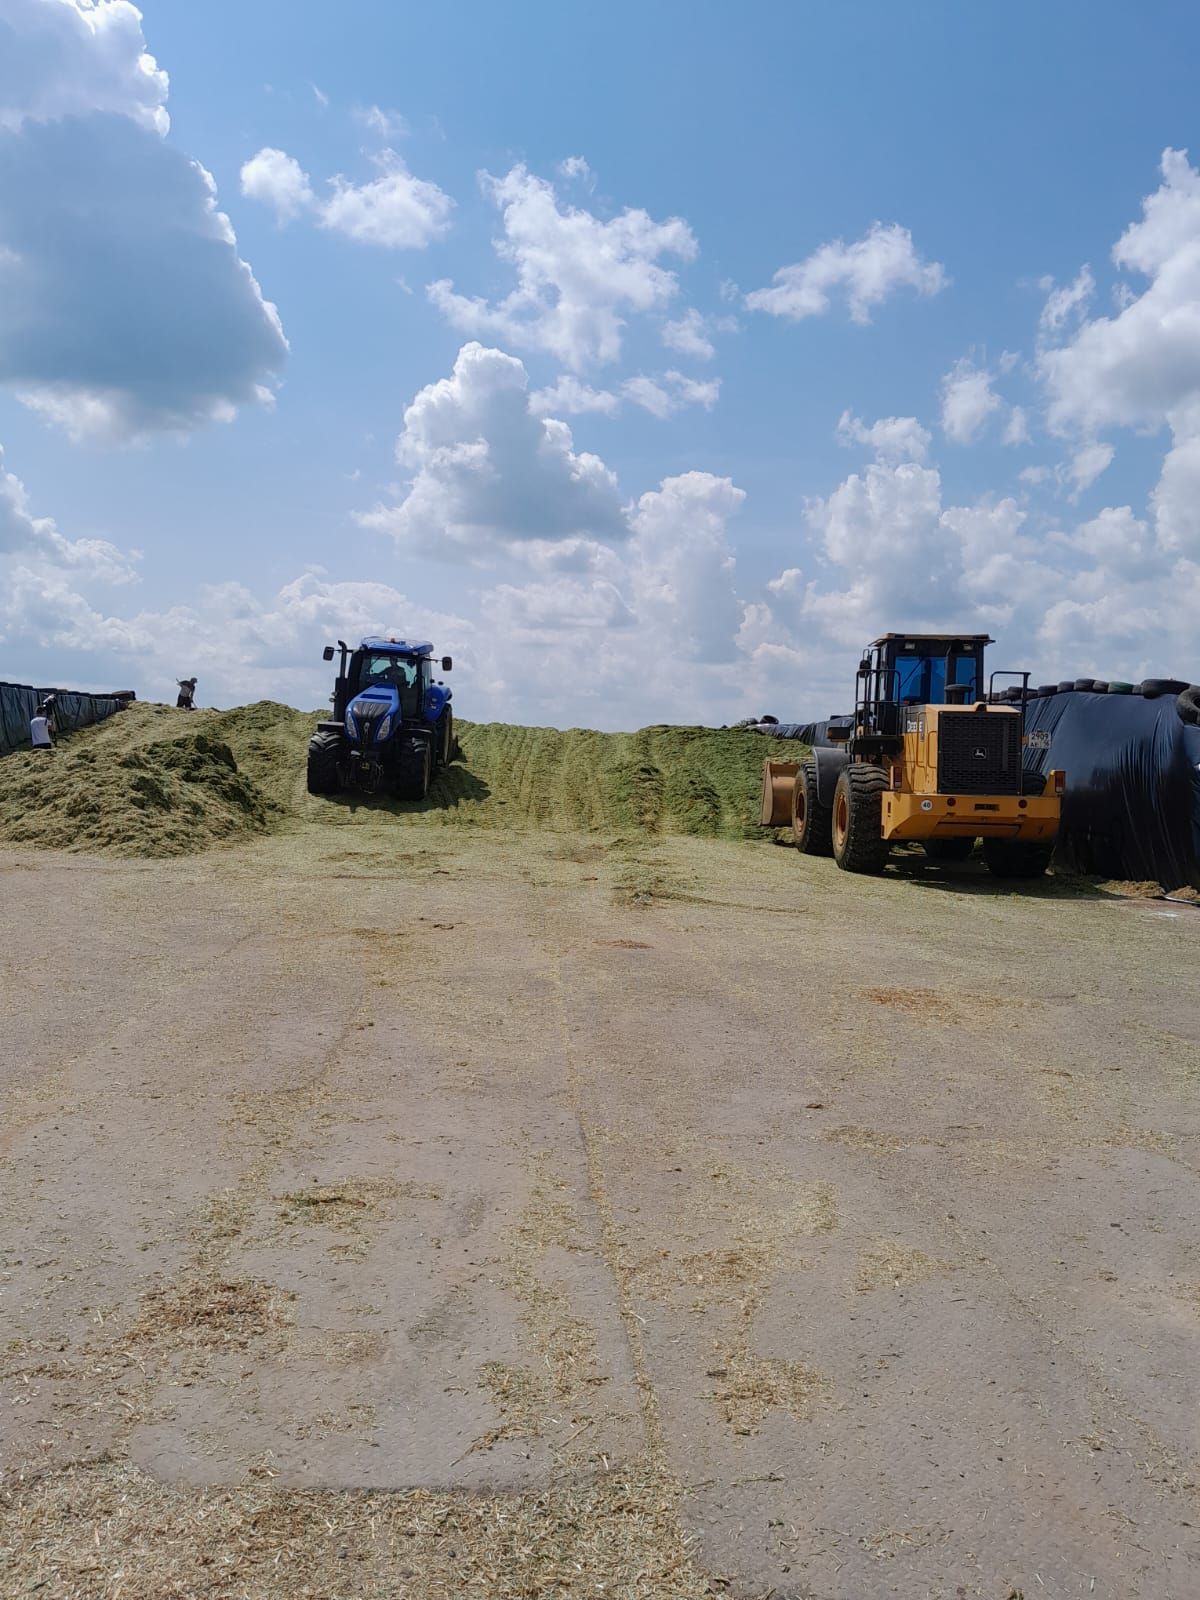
x=187 y=694
x=41 y=725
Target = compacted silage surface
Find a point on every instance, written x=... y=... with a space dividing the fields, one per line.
x=155 y=781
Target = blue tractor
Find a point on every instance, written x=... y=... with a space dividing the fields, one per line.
x=392 y=727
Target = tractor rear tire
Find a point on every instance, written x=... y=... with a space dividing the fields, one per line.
x=413 y=763
x=1017 y=858
x=323 y=774
x=858 y=842
x=947 y=849
x=812 y=823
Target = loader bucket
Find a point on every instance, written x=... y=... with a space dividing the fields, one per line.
x=779 y=779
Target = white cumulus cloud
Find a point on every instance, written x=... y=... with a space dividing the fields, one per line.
x=577 y=275
x=1139 y=366
x=866 y=272
x=891 y=438
x=278 y=180
x=689 y=335
x=69 y=58
x=124 y=307
x=489 y=472
x=396 y=210
x=968 y=400
x=662 y=397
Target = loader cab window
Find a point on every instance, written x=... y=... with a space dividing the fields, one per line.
x=922 y=675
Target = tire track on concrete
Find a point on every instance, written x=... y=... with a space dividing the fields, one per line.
x=611 y=1246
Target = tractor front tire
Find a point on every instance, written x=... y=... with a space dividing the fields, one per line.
x=323 y=775
x=413 y=762
x=812 y=823
x=445 y=738
x=858 y=842
x=947 y=849
x=1016 y=858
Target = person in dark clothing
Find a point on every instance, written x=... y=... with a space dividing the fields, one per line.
x=187 y=694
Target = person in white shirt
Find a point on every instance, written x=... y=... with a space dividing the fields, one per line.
x=39 y=731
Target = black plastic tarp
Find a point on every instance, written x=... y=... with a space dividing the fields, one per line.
x=1132 y=802
x=19 y=702
x=810 y=733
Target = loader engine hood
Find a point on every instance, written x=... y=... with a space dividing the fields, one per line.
x=373 y=716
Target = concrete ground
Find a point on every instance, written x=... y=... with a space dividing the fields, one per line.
x=722 y=1223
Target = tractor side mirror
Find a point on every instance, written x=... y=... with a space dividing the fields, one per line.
x=446 y=663
x=327 y=653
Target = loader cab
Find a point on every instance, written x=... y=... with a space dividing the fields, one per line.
x=902 y=670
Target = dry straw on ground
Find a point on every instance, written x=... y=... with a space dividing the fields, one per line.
x=105 y=1531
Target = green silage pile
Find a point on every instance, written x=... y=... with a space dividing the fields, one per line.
x=154 y=781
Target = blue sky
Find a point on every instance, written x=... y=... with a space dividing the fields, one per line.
x=186 y=494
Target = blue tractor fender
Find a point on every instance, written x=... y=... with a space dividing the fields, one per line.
x=831 y=763
x=437 y=698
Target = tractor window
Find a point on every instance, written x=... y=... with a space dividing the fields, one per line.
x=392 y=670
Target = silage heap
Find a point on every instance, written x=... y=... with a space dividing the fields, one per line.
x=159 y=782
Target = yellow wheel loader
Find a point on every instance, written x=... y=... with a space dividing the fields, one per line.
x=929 y=756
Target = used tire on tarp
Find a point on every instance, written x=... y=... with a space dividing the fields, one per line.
x=1188 y=705
x=1151 y=688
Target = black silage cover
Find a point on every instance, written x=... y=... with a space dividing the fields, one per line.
x=1132 y=802
x=19 y=703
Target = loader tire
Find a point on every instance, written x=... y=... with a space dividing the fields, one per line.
x=812 y=823
x=1016 y=858
x=947 y=849
x=413 y=763
x=858 y=842
x=323 y=775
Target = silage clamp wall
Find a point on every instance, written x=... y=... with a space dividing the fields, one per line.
x=19 y=702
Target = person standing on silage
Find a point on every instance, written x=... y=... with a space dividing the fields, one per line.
x=41 y=727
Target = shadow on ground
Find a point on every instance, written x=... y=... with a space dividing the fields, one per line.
x=453 y=787
x=971 y=877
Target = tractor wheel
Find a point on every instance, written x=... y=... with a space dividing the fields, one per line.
x=1016 y=858
x=413 y=761
x=445 y=738
x=812 y=823
x=858 y=842
x=323 y=774
x=947 y=849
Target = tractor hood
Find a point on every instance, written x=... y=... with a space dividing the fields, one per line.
x=372 y=715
